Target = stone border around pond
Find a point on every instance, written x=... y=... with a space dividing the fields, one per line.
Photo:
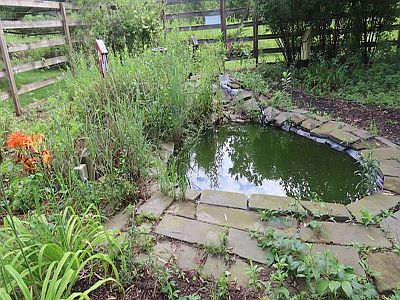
x=358 y=143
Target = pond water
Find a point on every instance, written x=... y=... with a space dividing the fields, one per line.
x=252 y=159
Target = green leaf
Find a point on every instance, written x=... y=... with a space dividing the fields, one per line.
x=334 y=285
x=21 y=284
x=347 y=288
x=322 y=286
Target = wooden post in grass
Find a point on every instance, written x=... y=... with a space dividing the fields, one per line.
x=255 y=37
x=68 y=39
x=222 y=4
x=9 y=71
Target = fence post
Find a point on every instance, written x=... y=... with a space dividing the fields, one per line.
x=222 y=5
x=66 y=28
x=9 y=71
x=255 y=37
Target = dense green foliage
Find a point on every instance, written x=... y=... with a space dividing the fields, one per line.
x=42 y=258
x=338 y=27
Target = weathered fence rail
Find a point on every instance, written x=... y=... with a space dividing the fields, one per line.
x=9 y=70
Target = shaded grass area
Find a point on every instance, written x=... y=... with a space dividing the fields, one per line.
x=30 y=77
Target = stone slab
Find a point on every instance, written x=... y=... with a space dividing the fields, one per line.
x=285 y=224
x=192 y=195
x=387 y=268
x=297 y=118
x=343 y=137
x=325 y=129
x=214 y=267
x=240 y=243
x=156 y=205
x=269 y=114
x=345 y=234
x=227 y=199
x=118 y=221
x=310 y=124
x=390 y=168
x=326 y=210
x=392 y=184
x=300 y=111
x=164 y=251
x=349 y=128
x=363 y=134
x=190 y=231
x=267 y=202
x=374 y=204
x=392 y=225
x=188 y=258
x=238 y=273
x=183 y=208
x=282 y=118
x=382 y=154
x=346 y=255
x=230 y=217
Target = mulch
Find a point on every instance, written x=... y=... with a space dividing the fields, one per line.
x=387 y=120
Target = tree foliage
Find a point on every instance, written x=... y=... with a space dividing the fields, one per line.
x=343 y=26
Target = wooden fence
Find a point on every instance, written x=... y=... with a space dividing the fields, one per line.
x=224 y=13
x=9 y=70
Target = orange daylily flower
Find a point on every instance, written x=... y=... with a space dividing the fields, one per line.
x=46 y=157
x=19 y=140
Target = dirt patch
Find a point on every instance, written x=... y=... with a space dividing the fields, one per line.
x=386 y=120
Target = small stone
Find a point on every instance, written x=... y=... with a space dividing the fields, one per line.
x=190 y=231
x=327 y=210
x=118 y=221
x=387 y=270
x=267 y=202
x=192 y=195
x=214 y=267
x=374 y=204
x=325 y=129
x=345 y=255
x=238 y=273
x=343 y=137
x=381 y=154
x=345 y=234
x=156 y=205
x=251 y=106
x=230 y=217
x=269 y=114
x=310 y=124
x=228 y=199
x=167 y=150
x=242 y=245
x=183 y=208
x=392 y=225
x=390 y=168
x=245 y=95
x=392 y=184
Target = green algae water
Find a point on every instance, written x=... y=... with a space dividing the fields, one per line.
x=252 y=159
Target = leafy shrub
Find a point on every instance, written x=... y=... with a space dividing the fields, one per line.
x=281 y=100
x=50 y=254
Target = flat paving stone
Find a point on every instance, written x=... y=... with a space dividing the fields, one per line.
x=363 y=134
x=285 y=224
x=374 y=204
x=269 y=114
x=164 y=251
x=326 y=210
x=325 y=129
x=238 y=273
x=118 y=221
x=310 y=124
x=346 y=255
x=183 y=208
x=188 y=258
x=390 y=168
x=345 y=234
x=214 y=267
x=242 y=245
x=192 y=195
x=387 y=268
x=343 y=137
x=230 y=217
x=156 y=205
x=282 y=118
x=392 y=184
x=382 y=154
x=190 y=231
x=227 y=199
x=349 y=128
x=392 y=225
x=297 y=118
x=267 y=202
